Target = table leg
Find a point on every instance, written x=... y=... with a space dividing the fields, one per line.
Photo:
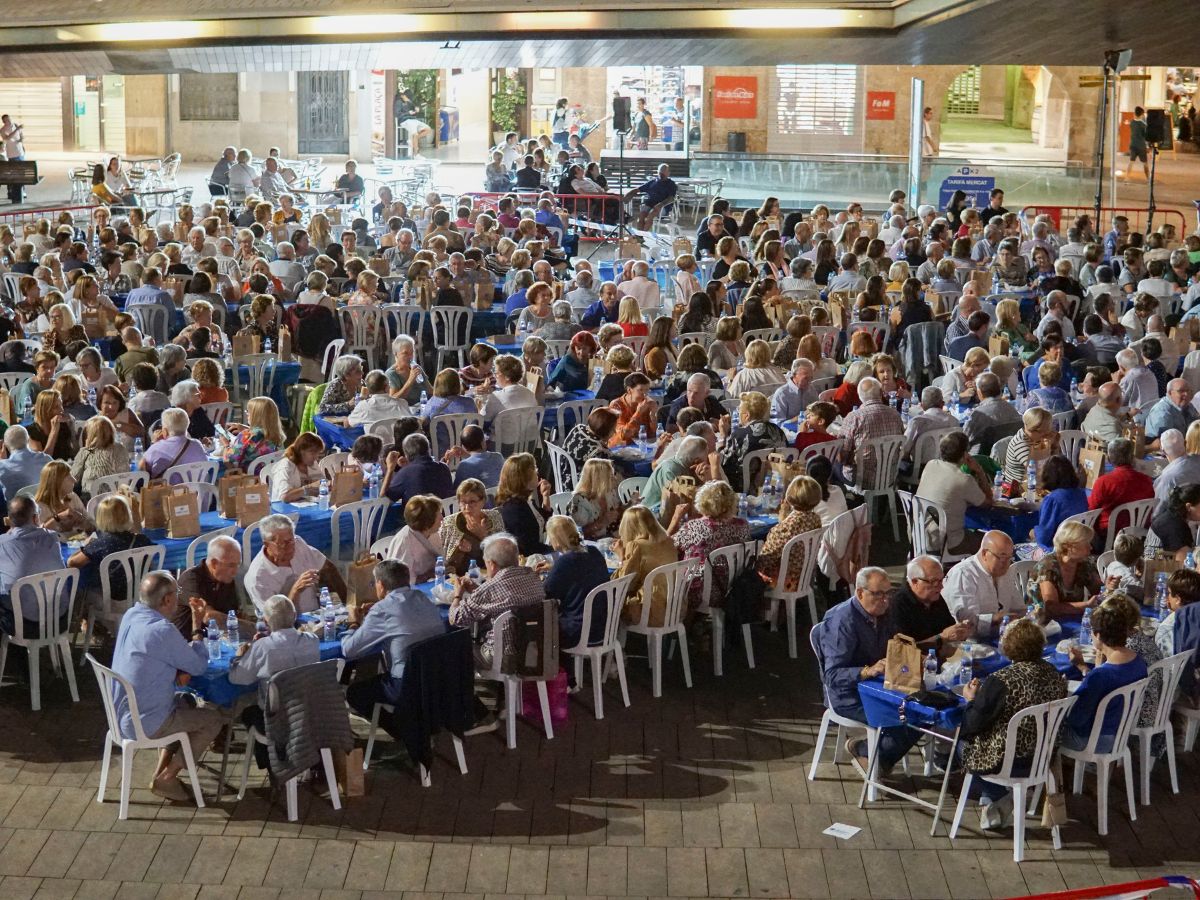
x=937 y=812
x=224 y=759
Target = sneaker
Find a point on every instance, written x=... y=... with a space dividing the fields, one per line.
x=490 y=722
x=996 y=815
x=858 y=755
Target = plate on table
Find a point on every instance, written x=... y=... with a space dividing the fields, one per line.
x=978 y=651
x=554 y=394
x=628 y=453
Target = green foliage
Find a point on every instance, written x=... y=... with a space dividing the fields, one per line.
x=507 y=103
x=422 y=86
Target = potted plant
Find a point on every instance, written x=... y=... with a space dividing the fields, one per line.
x=507 y=102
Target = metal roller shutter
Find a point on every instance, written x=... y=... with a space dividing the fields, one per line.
x=816 y=109
x=35 y=103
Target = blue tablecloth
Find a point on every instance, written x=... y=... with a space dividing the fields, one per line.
x=1016 y=525
x=214 y=685
x=882 y=708
x=337 y=436
x=605 y=272
x=550 y=419
x=286 y=374
x=505 y=347
x=638 y=467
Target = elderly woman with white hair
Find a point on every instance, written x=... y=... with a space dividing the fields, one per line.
x=174 y=447
x=343 y=390
x=63 y=329
x=186 y=396
x=405 y=375
x=172 y=367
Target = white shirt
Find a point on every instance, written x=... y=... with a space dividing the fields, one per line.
x=1139 y=388
x=242 y=177
x=13 y=136
x=376 y=408
x=515 y=396
x=271 y=185
x=972 y=594
x=264 y=579
x=285 y=476
x=190 y=255
x=1068 y=329
x=926 y=421
x=847 y=281
x=287 y=271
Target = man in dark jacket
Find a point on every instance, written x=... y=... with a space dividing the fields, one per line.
x=419 y=474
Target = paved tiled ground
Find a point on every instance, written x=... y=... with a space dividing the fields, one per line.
x=701 y=793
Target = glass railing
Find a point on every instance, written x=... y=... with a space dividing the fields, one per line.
x=837 y=179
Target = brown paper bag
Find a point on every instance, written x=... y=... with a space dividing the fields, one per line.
x=787 y=468
x=8 y=409
x=902 y=666
x=285 y=344
x=684 y=487
x=1137 y=433
x=183 y=512
x=279 y=233
x=485 y=295
x=379 y=266
x=334 y=215
x=347 y=486
x=360 y=582
x=348 y=770
x=176 y=286
x=1150 y=570
x=630 y=248
x=982 y=282
x=245 y=344
x=253 y=502
x=998 y=345
x=154 y=513
x=533 y=381
x=1091 y=465
x=95 y=321
x=227 y=486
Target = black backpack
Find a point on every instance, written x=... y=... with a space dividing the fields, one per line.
x=744 y=598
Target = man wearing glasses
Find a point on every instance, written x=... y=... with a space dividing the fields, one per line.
x=981 y=590
x=853 y=646
x=921 y=613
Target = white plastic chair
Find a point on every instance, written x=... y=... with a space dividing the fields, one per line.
x=570 y=413
x=734 y=559
x=559 y=502
x=424 y=773
x=924 y=449
x=1130 y=697
x=1088 y=518
x=367 y=519
x=193 y=555
x=362 y=327
x=332 y=351
x=401 y=318
x=1070 y=442
x=1046 y=718
x=106 y=484
x=518 y=430
x=831 y=450
x=135 y=565
x=262 y=466
x=1135 y=515
x=807 y=543
x=151 y=320
x=218 y=413
x=46 y=591
x=289 y=786
x=332 y=464
x=260 y=382
x=828 y=717
x=629 y=486
x=187 y=473
x=1064 y=421
x=612 y=594
x=885 y=453
x=675 y=583
x=446 y=431
x=563 y=468
x=447 y=323
x=450 y=507
x=1171 y=671
x=109 y=681
x=512 y=683
x=10 y=381
x=754 y=466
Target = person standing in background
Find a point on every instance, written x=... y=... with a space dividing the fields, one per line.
x=1137 y=142
x=560 y=131
x=13 y=136
x=643 y=126
x=929 y=146
x=676 y=117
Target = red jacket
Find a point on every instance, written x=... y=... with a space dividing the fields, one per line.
x=1123 y=484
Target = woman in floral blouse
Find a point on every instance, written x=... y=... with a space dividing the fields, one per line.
x=589 y=440
x=798 y=515
x=261 y=435
x=697 y=536
x=343 y=390
x=1067 y=581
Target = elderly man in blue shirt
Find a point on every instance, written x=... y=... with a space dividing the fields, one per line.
x=402 y=618
x=151 y=292
x=1175 y=410
x=26 y=549
x=853 y=647
x=790 y=401
x=656 y=193
x=152 y=655
x=20 y=466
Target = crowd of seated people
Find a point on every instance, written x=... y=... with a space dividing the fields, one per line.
x=761 y=386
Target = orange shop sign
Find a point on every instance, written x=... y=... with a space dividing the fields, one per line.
x=735 y=96
x=881 y=104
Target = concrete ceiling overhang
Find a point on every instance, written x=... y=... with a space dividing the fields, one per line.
x=151 y=36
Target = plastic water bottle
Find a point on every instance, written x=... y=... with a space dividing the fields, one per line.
x=439 y=572
x=323 y=494
x=995 y=281
x=328 y=626
x=1160 y=596
x=213 y=640
x=473 y=572
x=641 y=438
x=373 y=484
x=743 y=507
x=735 y=417
x=931 y=668
x=906 y=409
x=998 y=486
x=1032 y=477
x=1085 y=629
x=1004 y=626
x=260 y=627
x=229 y=356
x=599 y=377
x=132 y=392
x=266 y=345
x=136 y=459
x=27 y=409
x=1190 y=560
x=232 y=633
x=423 y=401
x=1031 y=612
x=966 y=671
x=325 y=601
x=668 y=372
x=92 y=396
